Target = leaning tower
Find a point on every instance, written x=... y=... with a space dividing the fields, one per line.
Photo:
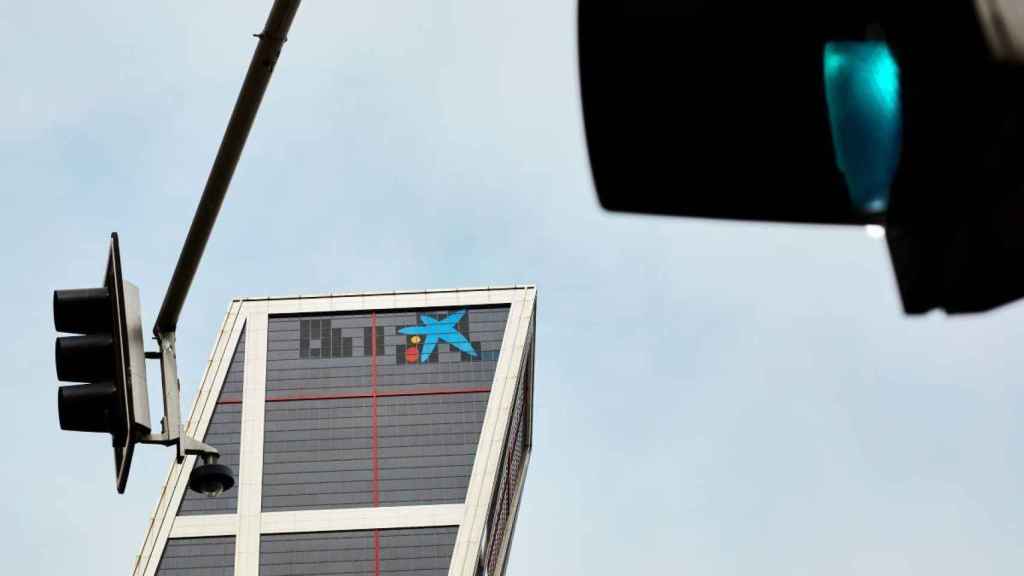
x=371 y=434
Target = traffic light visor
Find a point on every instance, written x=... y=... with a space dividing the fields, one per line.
x=82 y=310
x=89 y=408
x=88 y=358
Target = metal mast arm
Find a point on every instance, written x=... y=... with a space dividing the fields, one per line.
x=274 y=35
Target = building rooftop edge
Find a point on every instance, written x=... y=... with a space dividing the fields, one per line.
x=386 y=293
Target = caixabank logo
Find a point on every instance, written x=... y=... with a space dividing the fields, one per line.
x=445 y=336
x=412 y=338
x=423 y=338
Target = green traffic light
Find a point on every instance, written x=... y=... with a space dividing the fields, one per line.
x=862 y=87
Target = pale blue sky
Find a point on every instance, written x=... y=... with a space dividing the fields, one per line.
x=712 y=398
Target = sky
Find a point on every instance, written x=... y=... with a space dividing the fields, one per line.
x=712 y=398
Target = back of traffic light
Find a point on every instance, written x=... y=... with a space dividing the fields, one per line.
x=107 y=357
x=113 y=369
x=831 y=113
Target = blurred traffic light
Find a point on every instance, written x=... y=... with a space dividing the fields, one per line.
x=832 y=112
x=107 y=355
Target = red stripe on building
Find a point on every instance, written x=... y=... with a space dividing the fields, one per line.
x=376 y=552
x=357 y=395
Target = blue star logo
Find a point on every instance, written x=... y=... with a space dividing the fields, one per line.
x=433 y=330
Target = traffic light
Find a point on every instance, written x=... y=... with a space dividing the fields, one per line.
x=107 y=356
x=846 y=112
x=714 y=109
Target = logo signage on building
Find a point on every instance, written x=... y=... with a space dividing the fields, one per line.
x=424 y=338
x=436 y=334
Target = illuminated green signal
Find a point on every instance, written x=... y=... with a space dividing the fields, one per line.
x=862 y=86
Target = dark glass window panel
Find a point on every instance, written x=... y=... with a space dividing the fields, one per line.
x=403 y=552
x=336 y=343
x=304 y=339
x=426 y=446
x=325 y=337
x=318 y=454
x=224 y=432
x=212 y=556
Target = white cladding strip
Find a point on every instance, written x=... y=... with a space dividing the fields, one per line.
x=324 y=520
x=202 y=409
x=363 y=518
x=250 y=465
x=524 y=465
x=202 y=525
x=492 y=436
x=331 y=304
x=1003 y=24
x=527 y=381
x=428 y=291
x=517 y=490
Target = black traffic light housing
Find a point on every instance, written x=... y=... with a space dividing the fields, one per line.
x=719 y=110
x=713 y=109
x=107 y=355
x=955 y=224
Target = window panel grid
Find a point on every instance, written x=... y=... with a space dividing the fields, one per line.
x=361 y=429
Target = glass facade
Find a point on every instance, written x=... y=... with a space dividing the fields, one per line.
x=362 y=412
x=214 y=556
x=376 y=409
x=399 y=552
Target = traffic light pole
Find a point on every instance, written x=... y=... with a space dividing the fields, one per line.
x=257 y=78
x=273 y=37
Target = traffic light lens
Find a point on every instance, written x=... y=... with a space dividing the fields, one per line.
x=862 y=87
x=85 y=358
x=82 y=311
x=86 y=407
